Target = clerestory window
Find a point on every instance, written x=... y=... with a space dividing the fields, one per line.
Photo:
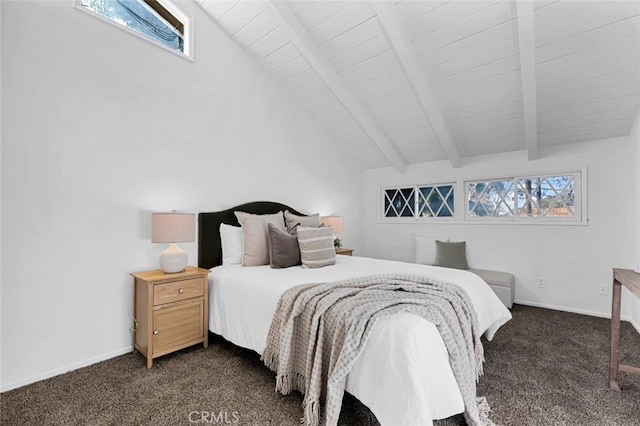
x=543 y=198
x=435 y=200
x=533 y=199
x=156 y=20
x=419 y=202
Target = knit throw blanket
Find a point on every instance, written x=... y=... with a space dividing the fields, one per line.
x=319 y=330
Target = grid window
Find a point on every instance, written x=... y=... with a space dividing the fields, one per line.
x=547 y=197
x=419 y=202
x=490 y=198
x=399 y=202
x=551 y=196
x=435 y=201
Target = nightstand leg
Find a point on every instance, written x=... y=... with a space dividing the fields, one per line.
x=149 y=362
x=135 y=326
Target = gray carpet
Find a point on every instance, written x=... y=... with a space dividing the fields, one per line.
x=543 y=368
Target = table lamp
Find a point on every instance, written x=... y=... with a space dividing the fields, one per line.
x=173 y=228
x=336 y=223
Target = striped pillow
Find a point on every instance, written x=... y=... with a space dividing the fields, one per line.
x=316 y=246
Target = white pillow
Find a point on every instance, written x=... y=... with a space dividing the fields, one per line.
x=425 y=250
x=232 y=248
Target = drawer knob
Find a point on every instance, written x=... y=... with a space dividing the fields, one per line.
x=155 y=332
x=181 y=290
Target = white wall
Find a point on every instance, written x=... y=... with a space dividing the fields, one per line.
x=576 y=260
x=635 y=215
x=100 y=129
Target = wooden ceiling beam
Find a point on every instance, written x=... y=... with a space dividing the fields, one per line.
x=526 y=41
x=399 y=38
x=283 y=16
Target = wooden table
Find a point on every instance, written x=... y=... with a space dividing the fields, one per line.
x=631 y=280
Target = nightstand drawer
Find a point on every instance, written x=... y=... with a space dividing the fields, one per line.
x=177 y=327
x=178 y=290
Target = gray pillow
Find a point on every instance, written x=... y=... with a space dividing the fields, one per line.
x=292 y=221
x=254 y=236
x=316 y=246
x=452 y=255
x=283 y=248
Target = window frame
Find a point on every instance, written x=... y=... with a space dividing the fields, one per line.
x=466 y=183
x=186 y=21
x=436 y=186
x=415 y=218
x=580 y=205
x=460 y=214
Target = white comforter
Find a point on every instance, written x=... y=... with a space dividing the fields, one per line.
x=403 y=374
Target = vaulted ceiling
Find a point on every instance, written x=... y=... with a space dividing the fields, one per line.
x=404 y=82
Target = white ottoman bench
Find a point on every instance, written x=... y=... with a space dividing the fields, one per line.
x=502 y=283
x=453 y=255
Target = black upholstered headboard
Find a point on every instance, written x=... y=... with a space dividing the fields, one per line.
x=209 y=245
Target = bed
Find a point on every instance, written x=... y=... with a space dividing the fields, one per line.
x=403 y=375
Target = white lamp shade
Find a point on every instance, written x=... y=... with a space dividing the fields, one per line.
x=173 y=227
x=335 y=222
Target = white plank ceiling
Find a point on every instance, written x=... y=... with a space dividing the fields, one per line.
x=404 y=82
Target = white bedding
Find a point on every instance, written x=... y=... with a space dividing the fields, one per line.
x=403 y=374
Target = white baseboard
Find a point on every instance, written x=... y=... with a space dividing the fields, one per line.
x=577 y=311
x=8 y=386
x=563 y=308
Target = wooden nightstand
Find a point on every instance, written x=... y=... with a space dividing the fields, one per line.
x=344 y=251
x=170 y=311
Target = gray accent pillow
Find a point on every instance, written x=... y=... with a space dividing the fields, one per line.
x=316 y=246
x=292 y=221
x=451 y=255
x=283 y=248
x=254 y=236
